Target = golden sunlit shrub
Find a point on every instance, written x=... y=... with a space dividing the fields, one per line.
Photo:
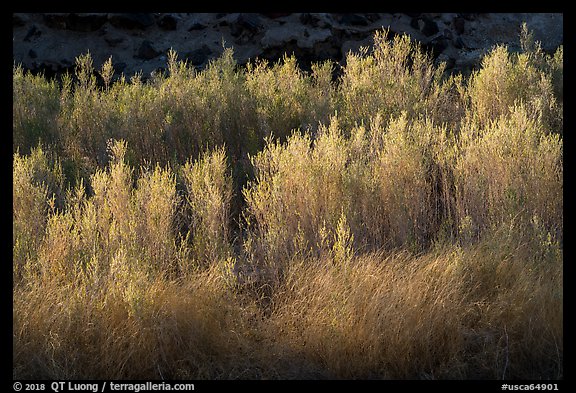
x=35 y=109
x=135 y=220
x=155 y=201
x=267 y=223
x=208 y=195
x=447 y=102
x=396 y=76
x=298 y=190
x=82 y=118
x=512 y=168
x=404 y=176
x=394 y=184
x=206 y=109
x=37 y=189
x=508 y=79
x=551 y=66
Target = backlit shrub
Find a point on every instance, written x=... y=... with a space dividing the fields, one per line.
x=268 y=223
x=208 y=195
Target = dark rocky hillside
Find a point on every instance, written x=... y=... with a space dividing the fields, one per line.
x=50 y=42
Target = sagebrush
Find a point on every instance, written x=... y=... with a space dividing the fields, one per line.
x=263 y=222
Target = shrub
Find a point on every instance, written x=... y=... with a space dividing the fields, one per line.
x=37 y=190
x=392 y=184
x=35 y=109
x=156 y=201
x=118 y=218
x=410 y=182
x=510 y=169
x=397 y=76
x=299 y=189
x=282 y=96
x=207 y=109
x=83 y=116
x=506 y=80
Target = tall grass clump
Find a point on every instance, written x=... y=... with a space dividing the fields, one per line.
x=126 y=325
x=346 y=322
x=141 y=213
x=491 y=310
x=514 y=327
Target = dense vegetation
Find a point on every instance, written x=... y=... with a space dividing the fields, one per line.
x=263 y=222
